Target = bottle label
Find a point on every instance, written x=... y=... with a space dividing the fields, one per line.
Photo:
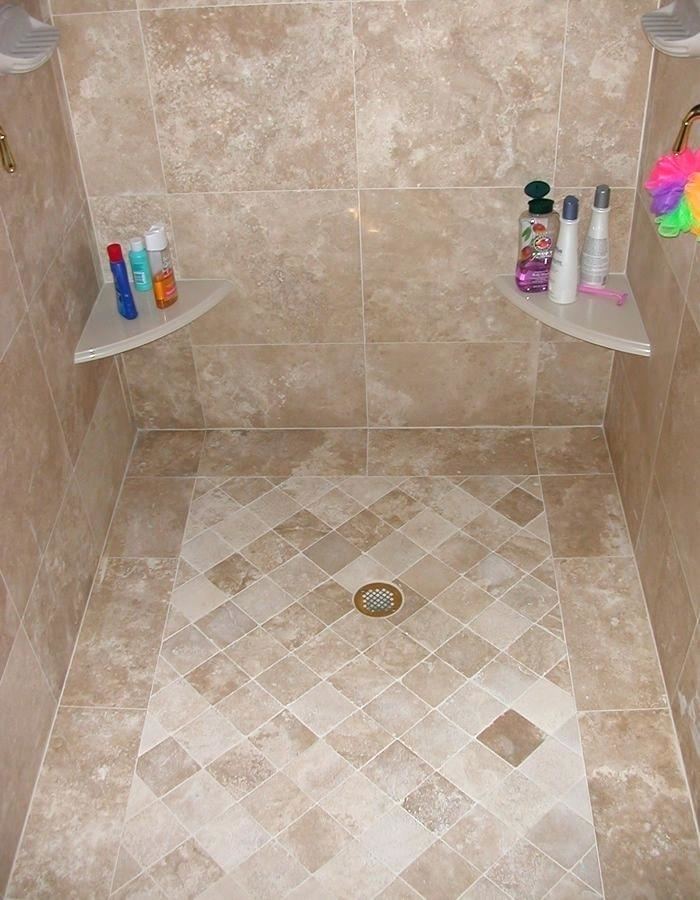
x=536 y=244
x=140 y=278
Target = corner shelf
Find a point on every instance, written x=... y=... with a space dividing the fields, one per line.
x=106 y=333
x=597 y=320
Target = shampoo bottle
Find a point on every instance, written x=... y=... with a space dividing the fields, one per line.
x=125 y=299
x=595 y=259
x=140 y=267
x=538 y=228
x=164 y=287
x=563 y=278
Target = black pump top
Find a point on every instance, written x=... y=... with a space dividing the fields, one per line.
x=540 y=204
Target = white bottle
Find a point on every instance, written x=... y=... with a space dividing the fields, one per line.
x=595 y=259
x=563 y=276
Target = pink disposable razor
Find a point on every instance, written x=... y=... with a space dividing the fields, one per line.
x=618 y=296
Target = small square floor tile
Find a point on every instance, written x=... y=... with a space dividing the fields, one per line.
x=256 y=651
x=437 y=803
x=397 y=709
x=354 y=872
x=365 y=530
x=197 y=800
x=440 y=872
x=546 y=705
x=328 y=602
x=428 y=529
x=358 y=738
x=322 y=708
x=225 y=624
x=207 y=736
x=429 y=577
x=562 y=835
x=397 y=770
x=480 y=837
x=270 y=872
x=397 y=839
x=232 y=837
x=263 y=600
x=186 y=872
x=248 y=707
x=326 y=652
x=519 y=506
x=433 y=680
x=282 y=738
x=216 y=678
x=187 y=649
x=435 y=739
x=294 y=626
x=233 y=574
x=467 y=652
x=357 y=803
x=512 y=737
x=495 y=575
x=476 y=770
x=499 y=624
x=314 y=839
x=268 y=551
x=298 y=576
x=332 y=553
x=397 y=507
x=240 y=769
x=461 y=552
x=525 y=871
x=276 y=803
x=431 y=626
x=396 y=653
x=318 y=770
x=288 y=679
x=397 y=552
x=165 y=766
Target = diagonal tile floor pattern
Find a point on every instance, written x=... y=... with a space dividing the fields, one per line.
x=294 y=748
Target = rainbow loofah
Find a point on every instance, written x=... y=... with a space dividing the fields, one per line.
x=674 y=185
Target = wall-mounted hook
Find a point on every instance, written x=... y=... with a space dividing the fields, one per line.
x=681 y=141
x=6 y=157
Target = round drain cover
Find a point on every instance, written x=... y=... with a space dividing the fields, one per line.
x=378 y=599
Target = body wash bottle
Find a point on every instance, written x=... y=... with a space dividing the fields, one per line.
x=140 y=267
x=538 y=228
x=595 y=259
x=125 y=299
x=563 y=279
x=164 y=286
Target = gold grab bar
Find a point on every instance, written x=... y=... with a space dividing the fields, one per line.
x=681 y=141
x=6 y=157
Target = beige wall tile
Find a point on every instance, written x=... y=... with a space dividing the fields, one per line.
x=44 y=195
x=631 y=448
x=673 y=618
x=686 y=713
x=91 y=789
x=163 y=384
x=314 y=386
x=34 y=463
x=677 y=467
x=118 y=218
x=294 y=259
x=13 y=305
x=450 y=451
x=428 y=257
x=611 y=648
x=585 y=516
x=119 y=642
x=105 y=74
x=58 y=312
x=283 y=115
x=451 y=384
x=646 y=835
x=26 y=710
x=693 y=296
x=58 y=600
x=438 y=86
x=604 y=92
x=652 y=279
x=572 y=383
x=104 y=454
x=284 y=453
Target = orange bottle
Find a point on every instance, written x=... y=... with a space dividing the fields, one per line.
x=164 y=285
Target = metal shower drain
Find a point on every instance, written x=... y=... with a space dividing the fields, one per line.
x=378 y=599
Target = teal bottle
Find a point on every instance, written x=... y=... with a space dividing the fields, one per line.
x=140 y=266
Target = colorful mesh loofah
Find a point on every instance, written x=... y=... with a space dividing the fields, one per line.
x=674 y=185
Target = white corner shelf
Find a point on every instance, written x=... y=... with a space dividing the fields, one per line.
x=106 y=333
x=598 y=320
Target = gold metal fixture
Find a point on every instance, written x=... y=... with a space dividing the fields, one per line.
x=681 y=141
x=6 y=157
x=378 y=599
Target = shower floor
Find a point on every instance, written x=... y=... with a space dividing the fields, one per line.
x=232 y=727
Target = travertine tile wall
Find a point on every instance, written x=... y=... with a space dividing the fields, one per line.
x=356 y=170
x=65 y=432
x=653 y=422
